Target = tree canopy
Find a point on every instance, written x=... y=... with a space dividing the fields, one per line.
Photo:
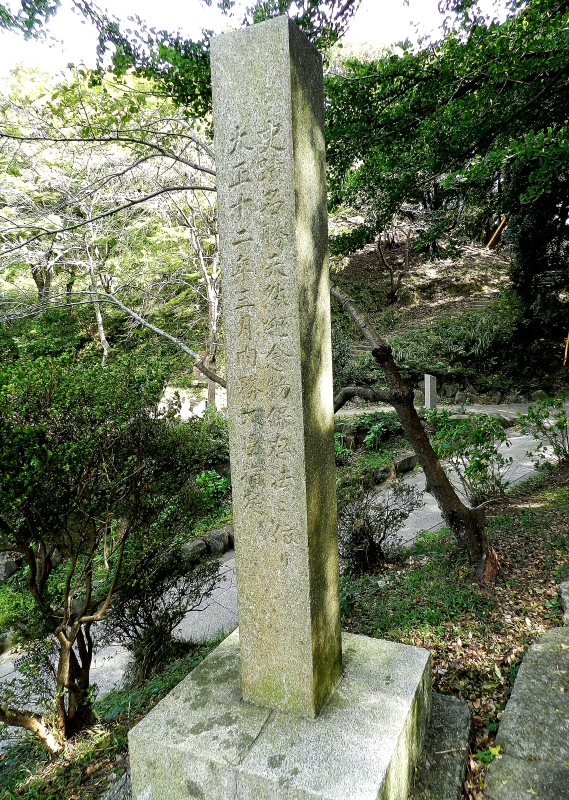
x=181 y=65
x=466 y=130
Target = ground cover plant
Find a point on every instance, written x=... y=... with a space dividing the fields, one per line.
x=368 y=527
x=87 y=766
x=476 y=635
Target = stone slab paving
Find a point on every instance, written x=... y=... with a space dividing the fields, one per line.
x=534 y=732
x=216 y=614
x=429 y=518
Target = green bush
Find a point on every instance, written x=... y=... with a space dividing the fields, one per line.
x=368 y=526
x=471 y=447
x=213 y=487
x=548 y=421
x=152 y=603
x=96 y=484
x=386 y=423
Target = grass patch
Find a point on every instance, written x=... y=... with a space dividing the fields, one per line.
x=85 y=768
x=476 y=636
x=415 y=598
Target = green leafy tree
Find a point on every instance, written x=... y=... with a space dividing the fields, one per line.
x=459 y=134
x=181 y=66
x=96 y=488
x=109 y=204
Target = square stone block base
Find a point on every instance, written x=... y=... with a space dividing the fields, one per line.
x=203 y=741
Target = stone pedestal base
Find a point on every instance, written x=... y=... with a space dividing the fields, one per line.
x=202 y=741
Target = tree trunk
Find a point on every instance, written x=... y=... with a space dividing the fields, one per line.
x=42 y=277
x=495 y=239
x=99 y=318
x=211 y=384
x=80 y=714
x=74 y=707
x=467 y=524
x=68 y=290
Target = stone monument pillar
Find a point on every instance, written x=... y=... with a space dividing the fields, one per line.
x=273 y=229
x=275 y=712
x=430 y=391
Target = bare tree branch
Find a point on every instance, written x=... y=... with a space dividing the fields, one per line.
x=365 y=392
x=109 y=213
x=113 y=140
x=33 y=310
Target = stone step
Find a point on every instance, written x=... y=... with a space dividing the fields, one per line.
x=441 y=769
x=534 y=733
x=121 y=789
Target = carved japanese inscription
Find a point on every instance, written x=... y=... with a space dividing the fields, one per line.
x=268 y=118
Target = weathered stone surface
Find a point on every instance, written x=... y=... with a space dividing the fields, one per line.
x=449 y=390
x=419 y=396
x=230 y=537
x=204 y=741
x=534 y=732
x=505 y=422
x=563 y=590
x=9 y=564
x=535 y=724
x=217 y=541
x=460 y=398
x=195 y=549
x=271 y=178
x=430 y=391
x=514 y=779
x=538 y=396
x=386 y=473
x=404 y=462
x=442 y=766
x=121 y=789
x=223 y=468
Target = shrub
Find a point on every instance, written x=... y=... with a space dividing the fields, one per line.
x=380 y=424
x=150 y=606
x=96 y=483
x=471 y=447
x=368 y=526
x=548 y=421
x=213 y=487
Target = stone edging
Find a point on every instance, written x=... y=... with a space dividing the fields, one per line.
x=213 y=543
